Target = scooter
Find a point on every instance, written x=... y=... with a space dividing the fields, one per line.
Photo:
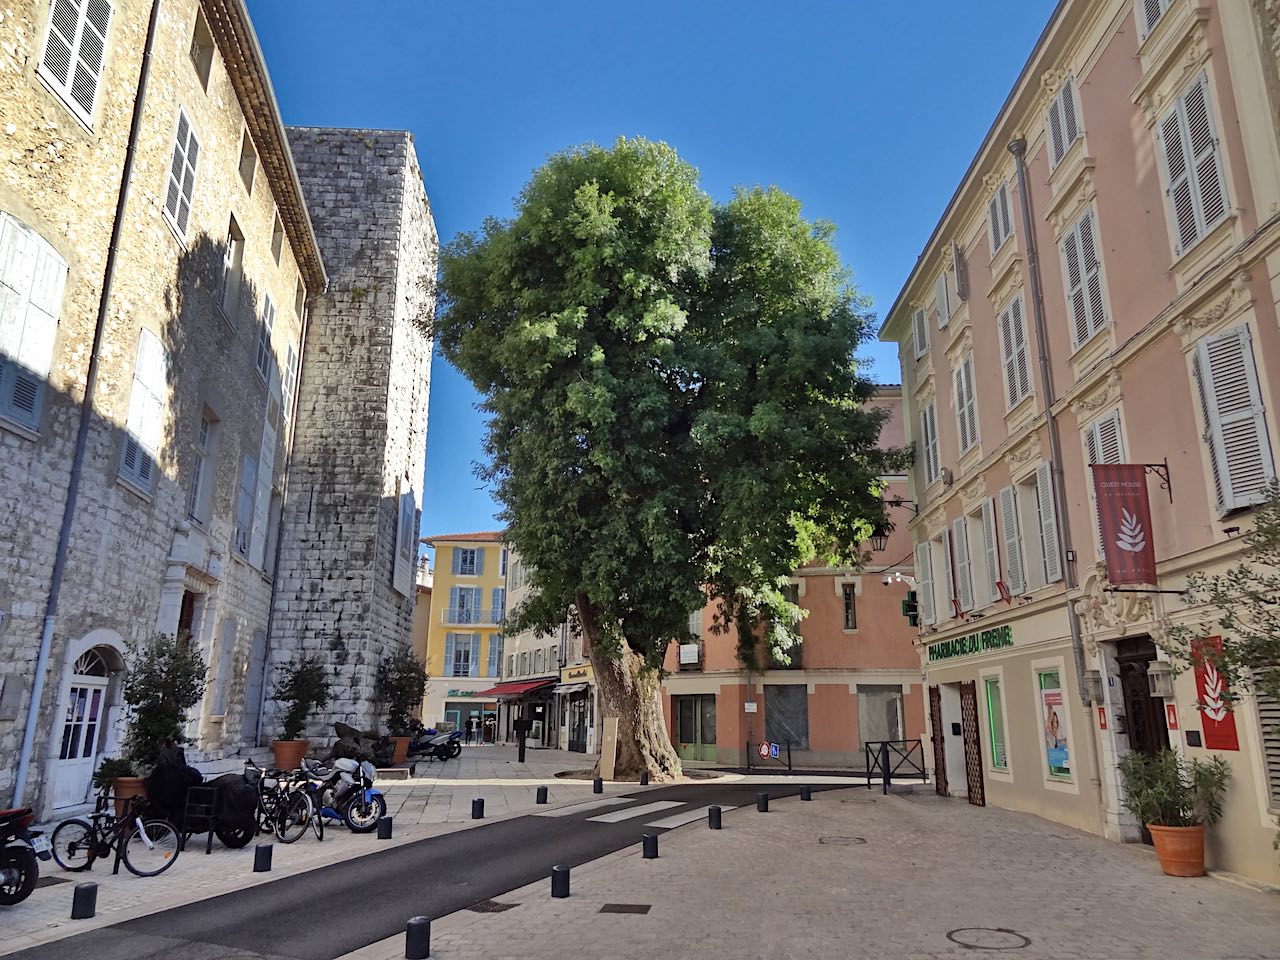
x=20 y=850
x=345 y=792
x=438 y=746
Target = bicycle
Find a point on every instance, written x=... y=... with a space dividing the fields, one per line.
x=147 y=845
x=283 y=810
x=300 y=809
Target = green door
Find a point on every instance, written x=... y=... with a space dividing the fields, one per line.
x=696 y=727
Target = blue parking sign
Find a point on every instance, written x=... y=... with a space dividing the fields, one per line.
x=773 y=750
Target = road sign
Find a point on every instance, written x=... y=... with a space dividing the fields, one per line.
x=749 y=706
x=764 y=750
x=773 y=751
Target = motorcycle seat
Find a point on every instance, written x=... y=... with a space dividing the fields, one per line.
x=315 y=770
x=14 y=813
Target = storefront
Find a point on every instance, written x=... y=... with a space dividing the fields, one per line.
x=576 y=709
x=528 y=699
x=463 y=705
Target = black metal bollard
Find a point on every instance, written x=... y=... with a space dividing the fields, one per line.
x=417 y=939
x=384 y=828
x=713 y=817
x=644 y=779
x=651 y=846
x=597 y=785
x=262 y=858
x=84 y=901
x=762 y=803
x=477 y=808
x=806 y=793
x=559 y=882
x=542 y=795
x=884 y=766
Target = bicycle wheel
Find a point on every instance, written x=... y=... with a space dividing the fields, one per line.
x=294 y=817
x=317 y=821
x=74 y=845
x=151 y=851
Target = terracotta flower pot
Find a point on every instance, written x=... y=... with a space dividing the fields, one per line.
x=126 y=788
x=1180 y=849
x=289 y=753
x=402 y=748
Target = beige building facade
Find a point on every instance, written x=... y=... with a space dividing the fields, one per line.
x=1102 y=288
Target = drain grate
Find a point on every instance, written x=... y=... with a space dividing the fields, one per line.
x=842 y=841
x=625 y=908
x=491 y=906
x=50 y=881
x=988 y=938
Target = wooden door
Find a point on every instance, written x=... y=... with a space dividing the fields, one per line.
x=939 y=743
x=972 y=742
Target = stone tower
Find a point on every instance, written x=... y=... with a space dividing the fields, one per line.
x=349 y=546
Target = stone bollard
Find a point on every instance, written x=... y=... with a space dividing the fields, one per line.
x=651 y=846
x=384 y=828
x=713 y=817
x=84 y=901
x=806 y=793
x=762 y=803
x=542 y=795
x=559 y=882
x=417 y=939
x=477 y=808
x=262 y=858
x=597 y=785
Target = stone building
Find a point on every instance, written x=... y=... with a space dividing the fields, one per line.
x=350 y=543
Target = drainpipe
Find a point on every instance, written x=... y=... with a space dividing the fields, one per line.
x=1019 y=150
x=86 y=416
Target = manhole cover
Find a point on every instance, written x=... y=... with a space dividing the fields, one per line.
x=842 y=841
x=988 y=938
x=491 y=906
x=50 y=881
x=860 y=800
x=625 y=908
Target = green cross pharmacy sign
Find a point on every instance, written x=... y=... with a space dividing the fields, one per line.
x=980 y=642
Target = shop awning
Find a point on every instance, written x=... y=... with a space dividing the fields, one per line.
x=569 y=688
x=515 y=689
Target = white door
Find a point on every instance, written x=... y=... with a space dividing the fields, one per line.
x=82 y=727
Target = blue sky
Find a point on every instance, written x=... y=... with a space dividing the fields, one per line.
x=868 y=111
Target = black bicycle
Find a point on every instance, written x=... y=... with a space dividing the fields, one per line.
x=285 y=808
x=146 y=844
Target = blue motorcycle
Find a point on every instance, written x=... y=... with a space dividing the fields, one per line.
x=346 y=792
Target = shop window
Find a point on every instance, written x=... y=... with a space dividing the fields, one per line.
x=786 y=715
x=1055 y=724
x=995 y=724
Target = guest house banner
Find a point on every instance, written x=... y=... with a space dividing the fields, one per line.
x=1124 y=517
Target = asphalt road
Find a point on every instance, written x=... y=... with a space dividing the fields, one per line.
x=328 y=912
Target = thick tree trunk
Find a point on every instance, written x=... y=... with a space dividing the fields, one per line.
x=632 y=692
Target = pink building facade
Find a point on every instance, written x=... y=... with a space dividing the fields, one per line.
x=1102 y=288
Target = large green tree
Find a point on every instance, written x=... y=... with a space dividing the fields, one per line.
x=675 y=409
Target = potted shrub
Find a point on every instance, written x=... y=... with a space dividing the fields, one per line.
x=303 y=687
x=1175 y=800
x=402 y=679
x=117 y=776
x=166 y=679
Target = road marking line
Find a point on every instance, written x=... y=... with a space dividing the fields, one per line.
x=689 y=816
x=632 y=812
x=588 y=805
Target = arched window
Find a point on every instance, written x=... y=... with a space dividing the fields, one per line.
x=91 y=664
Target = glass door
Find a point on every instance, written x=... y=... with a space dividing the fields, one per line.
x=696 y=727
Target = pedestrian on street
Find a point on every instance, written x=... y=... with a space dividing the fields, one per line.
x=471 y=729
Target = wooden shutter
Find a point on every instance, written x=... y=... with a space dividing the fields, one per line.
x=943 y=297
x=266 y=474
x=1008 y=357
x=495 y=653
x=958 y=395
x=1173 y=148
x=405 y=556
x=263 y=359
x=1102 y=444
x=1206 y=158
x=1014 y=574
x=289 y=382
x=480 y=552
x=970 y=397
x=1149 y=13
x=919 y=332
x=929 y=433
x=182 y=175
x=962 y=272
x=144 y=423
x=1048 y=524
x=991 y=551
x=450 y=642
x=456 y=561
x=1018 y=324
x=1077 y=300
x=1269 y=719
x=1062 y=122
x=32 y=279
x=994 y=234
x=964 y=572
x=1236 y=429
x=948 y=578
x=497 y=602
x=473 y=664
x=924 y=583
x=74 y=51
x=1053 y=124
x=244 y=505
x=1006 y=221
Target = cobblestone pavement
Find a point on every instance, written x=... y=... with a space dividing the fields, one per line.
x=901 y=877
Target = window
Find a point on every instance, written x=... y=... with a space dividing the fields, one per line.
x=458 y=660
x=495 y=655
x=248 y=161
x=277 y=238
x=464 y=604
x=1187 y=142
x=244 y=505
x=1062 y=124
x=468 y=562
x=74 y=49
x=198 y=495
x=995 y=724
x=1013 y=351
x=1149 y=13
x=540 y=661
x=990 y=551
x=202 y=50
x=943 y=297
x=1235 y=425
x=289 y=381
x=265 y=477
x=1082 y=271
x=849 y=594
x=1102 y=444
x=924 y=583
x=786 y=714
x=791 y=591
x=695 y=622
x=944 y=577
x=964 y=572
x=554 y=655
x=146 y=413
x=32 y=278
x=1010 y=522
x=1040 y=497
x=1055 y=724
x=524 y=663
x=966 y=403
x=502 y=563
x=262 y=360
x=232 y=271
x=929 y=446
x=299 y=299
x=182 y=176
x=999 y=223
x=511 y=665
x=919 y=332
x=406 y=558
x=222 y=668
x=498 y=600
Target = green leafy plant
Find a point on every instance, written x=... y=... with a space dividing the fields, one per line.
x=110 y=770
x=1167 y=791
x=402 y=679
x=303 y=685
x=166 y=678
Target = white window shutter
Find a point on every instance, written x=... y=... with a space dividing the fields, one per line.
x=1048 y=524
x=1008 y=357
x=145 y=419
x=1237 y=431
x=962 y=272
x=1173 y=149
x=1073 y=272
x=929 y=434
x=1149 y=13
x=1102 y=444
x=970 y=397
x=924 y=583
x=1091 y=266
x=943 y=296
x=474 y=662
x=919 y=332
x=182 y=175
x=948 y=577
x=450 y=643
x=964 y=573
x=1015 y=577
x=991 y=551
x=406 y=553
x=74 y=51
x=1006 y=221
x=244 y=505
x=266 y=474
x=1210 y=181
x=1070 y=120
x=958 y=400
x=1018 y=324
x=1053 y=124
x=994 y=236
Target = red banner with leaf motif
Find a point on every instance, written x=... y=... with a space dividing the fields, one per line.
x=1124 y=516
x=1216 y=715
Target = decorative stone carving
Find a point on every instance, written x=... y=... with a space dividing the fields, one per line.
x=973 y=491
x=1101 y=398
x=990 y=181
x=961 y=345
x=948 y=258
x=1101 y=612
x=1050 y=81
x=1024 y=452
x=1190 y=326
x=936 y=519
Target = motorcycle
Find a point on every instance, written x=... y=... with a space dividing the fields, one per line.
x=345 y=792
x=20 y=850
x=438 y=746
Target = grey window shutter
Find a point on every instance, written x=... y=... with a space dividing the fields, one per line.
x=1070 y=121
x=1177 y=164
x=1073 y=271
x=924 y=579
x=1015 y=577
x=450 y=644
x=480 y=552
x=948 y=577
x=1018 y=324
x=1057 y=144
x=1008 y=357
x=943 y=297
x=1210 y=183
x=1237 y=430
x=497 y=601
x=456 y=562
x=990 y=548
x=475 y=655
x=919 y=332
x=962 y=272
x=1006 y=222
x=964 y=572
x=1048 y=524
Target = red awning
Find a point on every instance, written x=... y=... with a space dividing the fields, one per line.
x=516 y=688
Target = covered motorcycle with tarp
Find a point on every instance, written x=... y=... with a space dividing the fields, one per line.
x=353 y=744
x=225 y=804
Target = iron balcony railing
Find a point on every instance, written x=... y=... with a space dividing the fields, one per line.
x=468 y=616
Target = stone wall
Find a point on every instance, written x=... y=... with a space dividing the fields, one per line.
x=362 y=413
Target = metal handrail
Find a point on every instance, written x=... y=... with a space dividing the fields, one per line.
x=472 y=616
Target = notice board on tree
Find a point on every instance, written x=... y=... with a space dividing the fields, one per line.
x=609 y=748
x=1124 y=518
